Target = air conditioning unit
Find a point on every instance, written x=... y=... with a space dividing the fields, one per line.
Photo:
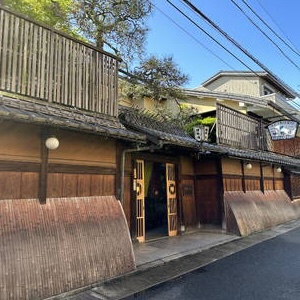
x=201 y=133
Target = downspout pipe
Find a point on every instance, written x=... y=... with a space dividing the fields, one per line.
x=124 y=152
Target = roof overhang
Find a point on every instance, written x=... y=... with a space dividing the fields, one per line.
x=274 y=80
x=290 y=163
x=257 y=101
x=156 y=131
x=48 y=114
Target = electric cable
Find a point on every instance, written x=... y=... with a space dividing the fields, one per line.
x=216 y=27
x=269 y=15
x=270 y=39
x=216 y=41
x=227 y=36
x=232 y=40
x=295 y=50
x=193 y=37
x=271 y=29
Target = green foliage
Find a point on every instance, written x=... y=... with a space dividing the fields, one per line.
x=116 y=24
x=208 y=121
x=157 y=79
x=52 y=13
x=187 y=119
x=179 y=119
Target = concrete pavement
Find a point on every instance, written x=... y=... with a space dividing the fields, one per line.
x=162 y=260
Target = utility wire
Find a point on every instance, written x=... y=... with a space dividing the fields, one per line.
x=193 y=37
x=216 y=27
x=271 y=29
x=295 y=50
x=270 y=39
x=193 y=8
x=192 y=21
x=278 y=26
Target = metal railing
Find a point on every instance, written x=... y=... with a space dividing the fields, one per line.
x=41 y=63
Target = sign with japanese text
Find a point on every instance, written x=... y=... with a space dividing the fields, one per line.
x=283 y=130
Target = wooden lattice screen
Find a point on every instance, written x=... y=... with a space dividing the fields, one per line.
x=38 y=62
x=241 y=131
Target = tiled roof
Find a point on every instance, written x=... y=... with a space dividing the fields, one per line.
x=166 y=132
x=154 y=126
x=290 y=93
x=37 y=112
x=270 y=157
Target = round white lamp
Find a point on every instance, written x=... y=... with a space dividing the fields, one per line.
x=248 y=166
x=52 y=143
x=278 y=169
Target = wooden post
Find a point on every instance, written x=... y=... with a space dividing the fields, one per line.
x=243 y=176
x=220 y=189
x=262 y=180
x=43 y=171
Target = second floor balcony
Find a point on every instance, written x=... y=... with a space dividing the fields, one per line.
x=242 y=131
x=238 y=130
x=39 y=63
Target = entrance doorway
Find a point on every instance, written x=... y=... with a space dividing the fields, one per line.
x=156 y=212
x=156 y=199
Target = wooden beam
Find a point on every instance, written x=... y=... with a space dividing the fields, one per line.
x=243 y=176
x=43 y=171
x=262 y=179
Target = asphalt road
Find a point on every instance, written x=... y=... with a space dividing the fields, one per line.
x=269 y=270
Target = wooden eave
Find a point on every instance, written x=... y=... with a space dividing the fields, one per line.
x=274 y=80
x=156 y=130
x=40 y=113
x=288 y=162
x=258 y=101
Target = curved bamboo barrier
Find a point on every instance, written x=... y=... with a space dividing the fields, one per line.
x=63 y=245
x=255 y=211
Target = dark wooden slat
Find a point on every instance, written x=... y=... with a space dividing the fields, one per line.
x=69 y=185
x=55 y=185
x=29 y=185
x=242 y=131
x=83 y=185
x=59 y=168
x=19 y=166
x=10 y=185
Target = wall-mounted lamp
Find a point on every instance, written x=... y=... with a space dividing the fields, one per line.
x=52 y=143
x=248 y=166
x=278 y=169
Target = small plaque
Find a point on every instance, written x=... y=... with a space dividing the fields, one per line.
x=283 y=130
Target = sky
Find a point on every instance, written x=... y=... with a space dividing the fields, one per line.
x=198 y=56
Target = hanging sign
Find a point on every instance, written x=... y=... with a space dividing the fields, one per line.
x=283 y=130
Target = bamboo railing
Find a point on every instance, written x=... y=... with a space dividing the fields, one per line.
x=41 y=63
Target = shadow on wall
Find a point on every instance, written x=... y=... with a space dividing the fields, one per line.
x=255 y=211
x=63 y=245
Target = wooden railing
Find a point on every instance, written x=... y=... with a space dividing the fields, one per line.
x=241 y=131
x=41 y=63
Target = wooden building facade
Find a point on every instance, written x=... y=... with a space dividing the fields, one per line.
x=244 y=163
x=66 y=207
x=62 y=226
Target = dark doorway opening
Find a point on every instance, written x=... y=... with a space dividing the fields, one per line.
x=156 y=212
